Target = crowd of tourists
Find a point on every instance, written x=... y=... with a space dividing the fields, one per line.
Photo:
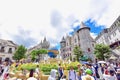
x=89 y=71
x=86 y=71
x=5 y=69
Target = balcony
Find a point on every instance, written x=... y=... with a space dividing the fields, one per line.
x=115 y=45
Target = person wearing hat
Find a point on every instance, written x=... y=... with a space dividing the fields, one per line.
x=88 y=75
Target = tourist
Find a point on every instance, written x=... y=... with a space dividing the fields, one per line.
x=111 y=67
x=78 y=66
x=112 y=75
x=5 y=71
x=118 y=74
x=80 y=74
x=106 y=74
x=72 y=74
x=37 y=70
x=60 y=72
x=32 y=75
x=96 y=71
x=93 y=70
x=52 y=75
x=88 y=75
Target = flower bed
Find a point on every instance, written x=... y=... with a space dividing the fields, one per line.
x=45 y=68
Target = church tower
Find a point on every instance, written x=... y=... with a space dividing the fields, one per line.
x=86 y=41
x=45 y=44
x=63 y=43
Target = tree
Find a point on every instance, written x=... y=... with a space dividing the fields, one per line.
x=78 y=52
x=33 y=55
x=20 y=52
x=41 y=52
x=102 y=51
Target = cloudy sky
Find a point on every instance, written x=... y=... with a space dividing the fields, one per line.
x=27 y=22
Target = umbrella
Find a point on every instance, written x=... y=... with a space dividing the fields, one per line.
x=101 y=62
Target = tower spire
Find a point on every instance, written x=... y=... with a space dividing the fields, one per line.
x=82 y=25
x=44 y=39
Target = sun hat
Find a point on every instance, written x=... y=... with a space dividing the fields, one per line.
x=88 y=71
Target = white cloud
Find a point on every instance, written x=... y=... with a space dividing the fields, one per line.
x=94 y=35
x=35 y=16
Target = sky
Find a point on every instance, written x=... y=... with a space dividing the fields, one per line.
x=27 y=22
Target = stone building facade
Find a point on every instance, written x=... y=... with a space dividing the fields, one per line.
x=111 y=36
x=80 y=38
x=42 y=45
x=7 y=49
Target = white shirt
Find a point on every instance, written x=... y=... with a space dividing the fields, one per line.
x=112 y=77
x=72 y=75
x=31 y=78
x=37 y=70
x=105 y=76
x=108 y=77
x=51 y=78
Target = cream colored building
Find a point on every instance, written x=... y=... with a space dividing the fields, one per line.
x=7 y=49
x=80 y=38
x=111 y=36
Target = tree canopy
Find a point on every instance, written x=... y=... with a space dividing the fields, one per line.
x=78 y=52
x=36 y=53
x=102 y=51
x=20 y=52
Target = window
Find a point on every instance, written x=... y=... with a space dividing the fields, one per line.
x=75 y=40
x=93 y=45
x=10 y=50
x=2 y=49
x=114 y=33
x=88 y=49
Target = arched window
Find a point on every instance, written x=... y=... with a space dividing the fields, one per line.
x=10 y=50
x=88 y=49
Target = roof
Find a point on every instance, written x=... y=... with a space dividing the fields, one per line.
x=7 y=43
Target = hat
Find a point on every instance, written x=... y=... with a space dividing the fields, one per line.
x=118 y=71
x=88 y=71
